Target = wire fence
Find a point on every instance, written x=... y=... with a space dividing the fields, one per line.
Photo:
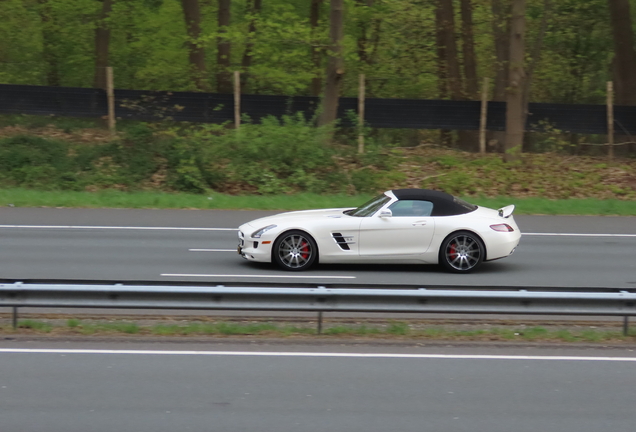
x=379 y=113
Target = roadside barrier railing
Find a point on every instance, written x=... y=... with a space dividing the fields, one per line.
x=320 y=299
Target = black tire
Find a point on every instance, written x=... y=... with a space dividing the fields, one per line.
x=295 y=251
x=462 y=252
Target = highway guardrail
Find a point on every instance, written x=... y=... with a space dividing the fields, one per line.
x=473 y=300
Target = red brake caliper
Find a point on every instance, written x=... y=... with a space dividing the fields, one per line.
x=304 y=250
x=453 y=252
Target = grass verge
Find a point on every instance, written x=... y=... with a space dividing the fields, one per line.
x=391 y=330
x=20 y=197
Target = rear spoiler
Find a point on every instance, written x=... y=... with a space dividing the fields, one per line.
x=506 y=212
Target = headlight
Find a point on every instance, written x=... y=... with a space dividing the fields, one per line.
x=260 y=232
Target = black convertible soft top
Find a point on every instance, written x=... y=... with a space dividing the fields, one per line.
x=443 y=204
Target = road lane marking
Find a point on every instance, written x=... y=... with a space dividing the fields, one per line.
x=313 y=354
x=577 y=235
x=257 y=276
x=89 y=227
x=212 y=250
x=116 y=228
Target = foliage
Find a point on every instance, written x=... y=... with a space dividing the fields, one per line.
x=391 y=41
x=476 y=332
x=288 y=156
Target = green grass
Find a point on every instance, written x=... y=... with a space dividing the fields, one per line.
x=161 y=200
x=391 y=330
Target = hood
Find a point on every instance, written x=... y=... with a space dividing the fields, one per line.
x=303 y=214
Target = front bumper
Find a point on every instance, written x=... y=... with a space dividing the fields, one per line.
x=259 y=250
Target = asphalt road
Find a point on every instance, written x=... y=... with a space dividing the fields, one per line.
x=144 y=245
x=268 y=388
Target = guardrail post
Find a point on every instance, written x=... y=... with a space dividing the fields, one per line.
x=15 y=317
x=320 y=322
x=625 y=325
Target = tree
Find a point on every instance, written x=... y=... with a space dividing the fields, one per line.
x=48 y=45
x=624 y=54
x=454 y=78
x=368 y=38
x=102 y=42
x=196 y=53
x=501 y=33
x=468 y=46
x=501 y=36
x=223 y=60
x=314 y=20
x=442 y=76
x=249 y=46
x=335 y=64
x=515 y=117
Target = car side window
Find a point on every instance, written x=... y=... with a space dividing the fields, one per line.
x=411 y=208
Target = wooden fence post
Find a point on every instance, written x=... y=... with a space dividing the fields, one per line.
x=484 y=118
x=110 y=97
x=361 y=95
x=610 y=119
x=237 y=99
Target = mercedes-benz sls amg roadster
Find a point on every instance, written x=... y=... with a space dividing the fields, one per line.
x=417 y=226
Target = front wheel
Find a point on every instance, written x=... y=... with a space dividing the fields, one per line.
x=295 y=251
x=462 y=252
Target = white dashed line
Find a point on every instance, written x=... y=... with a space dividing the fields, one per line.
x=212 y=250
x=256 y=276
x=314 y=354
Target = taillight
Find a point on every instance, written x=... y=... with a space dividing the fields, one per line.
x=502 y=228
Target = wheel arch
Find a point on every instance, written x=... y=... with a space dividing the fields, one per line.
x=288 y=230
x=483 y=243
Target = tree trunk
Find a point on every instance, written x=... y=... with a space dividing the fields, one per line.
x=314 y=19
x=625 y=57
x=368 y=40
x=465 y=139
x=249 y=46
x=102 y=42
x=48 y=46
x=501 y=32
x=335 y=64
x=514 y=101
x=192 y=15
x=446 y=138
x=469 y=140
x=223 y=74
x=447 y=16
x=363 y=40
x=470 y=59
x=535 y=56
x=501 y=35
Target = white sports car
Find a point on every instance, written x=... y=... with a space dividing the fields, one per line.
x=416 y=226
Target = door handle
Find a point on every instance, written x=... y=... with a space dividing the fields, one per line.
x=419 y=223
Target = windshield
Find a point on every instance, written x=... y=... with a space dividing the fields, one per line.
x=370 y=207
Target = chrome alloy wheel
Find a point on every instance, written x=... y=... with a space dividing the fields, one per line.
x=462 y=252
x=295 y=251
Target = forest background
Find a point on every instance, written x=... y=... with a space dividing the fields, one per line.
x=405 y=48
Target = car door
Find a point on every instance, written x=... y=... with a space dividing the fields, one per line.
x=407 y=231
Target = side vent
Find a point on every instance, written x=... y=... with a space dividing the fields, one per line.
x=341 y=241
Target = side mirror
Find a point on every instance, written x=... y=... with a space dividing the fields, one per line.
x=386 y=213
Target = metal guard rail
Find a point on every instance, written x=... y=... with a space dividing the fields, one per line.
x=320 y=299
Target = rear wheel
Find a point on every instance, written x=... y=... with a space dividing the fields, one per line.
x=295 y=251
x=462 y=252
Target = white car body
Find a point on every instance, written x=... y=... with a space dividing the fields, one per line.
x=385 y=235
